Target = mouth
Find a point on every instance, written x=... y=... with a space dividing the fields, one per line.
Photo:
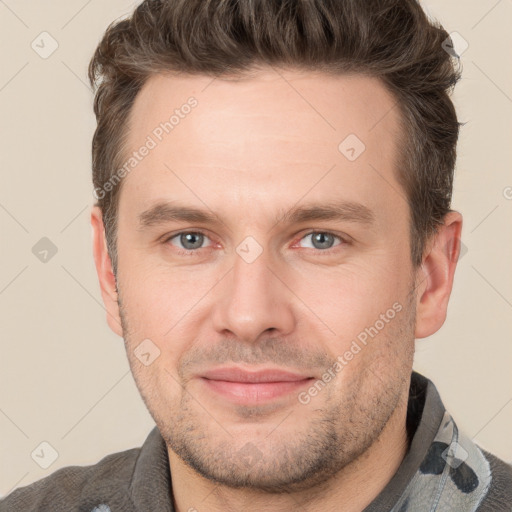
x=253 y=387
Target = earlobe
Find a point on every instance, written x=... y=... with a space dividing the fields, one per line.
x=435 y=277
x=104 y=270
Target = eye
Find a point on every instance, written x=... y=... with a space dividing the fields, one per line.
x=188 y=241
x=322 y=240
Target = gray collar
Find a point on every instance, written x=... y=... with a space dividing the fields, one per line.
x=150 y=486
x=427 y=420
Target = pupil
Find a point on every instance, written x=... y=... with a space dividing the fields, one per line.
x=322 y=238
x=189 y=239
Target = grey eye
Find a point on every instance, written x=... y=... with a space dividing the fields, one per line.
x=322 y=240
x=189 y=240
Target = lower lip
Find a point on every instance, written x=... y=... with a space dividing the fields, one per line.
x=245 y=392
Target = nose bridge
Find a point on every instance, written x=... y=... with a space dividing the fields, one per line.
x=251 y=275
x=253 y=299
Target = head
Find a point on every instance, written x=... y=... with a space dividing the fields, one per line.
x=274 y=188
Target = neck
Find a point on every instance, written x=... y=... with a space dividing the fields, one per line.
x=351 y=489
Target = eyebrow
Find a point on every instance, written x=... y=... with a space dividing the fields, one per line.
x=347 y=211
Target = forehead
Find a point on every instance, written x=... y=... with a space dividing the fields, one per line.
x=275 y=132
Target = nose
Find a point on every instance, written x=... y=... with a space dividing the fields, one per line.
x=254 y=299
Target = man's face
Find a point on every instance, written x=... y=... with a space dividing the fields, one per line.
x=259 y=289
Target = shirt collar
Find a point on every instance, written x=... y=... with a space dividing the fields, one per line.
x=150 y=486
x=425 y=413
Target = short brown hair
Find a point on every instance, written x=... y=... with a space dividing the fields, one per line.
x=392 y=40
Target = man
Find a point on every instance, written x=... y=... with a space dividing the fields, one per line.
x=273 y=230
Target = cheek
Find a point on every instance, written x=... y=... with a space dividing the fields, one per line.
x=161 y=312
x=352 y=295
x=367 y=310
x=158 y=387
x=155 y=299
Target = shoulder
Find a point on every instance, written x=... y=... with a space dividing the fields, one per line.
x=76 y=488
x=499 y=495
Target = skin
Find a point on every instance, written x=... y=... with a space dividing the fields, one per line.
x=251 y=150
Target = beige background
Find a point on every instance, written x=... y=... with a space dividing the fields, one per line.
x=64 y=377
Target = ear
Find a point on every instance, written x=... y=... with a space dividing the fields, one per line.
x=434 y=279
x=104 y=271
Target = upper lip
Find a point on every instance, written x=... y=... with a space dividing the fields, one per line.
x=234 y=374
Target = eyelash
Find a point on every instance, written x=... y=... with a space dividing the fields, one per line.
x=185 y=252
